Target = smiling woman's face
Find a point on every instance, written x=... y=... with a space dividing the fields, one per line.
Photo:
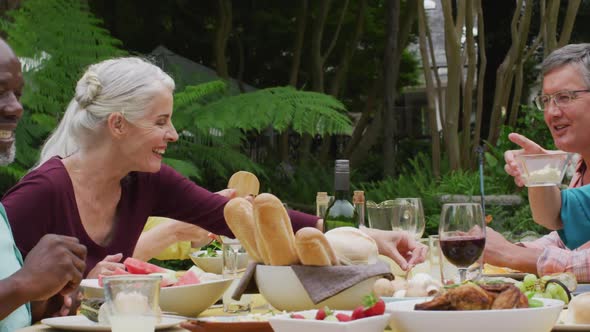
x=147 y=140
x=569 y=125
x=11 y=110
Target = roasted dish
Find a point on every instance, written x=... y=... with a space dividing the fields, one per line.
x=472 y=296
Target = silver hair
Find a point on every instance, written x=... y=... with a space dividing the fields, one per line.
x=124 y=85
x=572 y=54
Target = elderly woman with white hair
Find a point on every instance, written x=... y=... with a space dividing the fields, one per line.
x=100 y=174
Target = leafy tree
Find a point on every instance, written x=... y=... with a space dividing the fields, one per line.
x=57 y=39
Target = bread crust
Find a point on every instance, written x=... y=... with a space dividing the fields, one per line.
x=239 y=216
x=313 y=248
x=275 y=232
x=245 y=183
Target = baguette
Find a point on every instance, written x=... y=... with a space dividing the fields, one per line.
x=239 y=216
x=274 y=230
x=313 y=248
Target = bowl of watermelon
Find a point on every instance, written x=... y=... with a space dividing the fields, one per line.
x=186 y=294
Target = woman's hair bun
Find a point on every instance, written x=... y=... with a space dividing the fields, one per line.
x=87 y=89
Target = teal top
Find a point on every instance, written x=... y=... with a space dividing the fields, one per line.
x=12 y=261
x=575 y=215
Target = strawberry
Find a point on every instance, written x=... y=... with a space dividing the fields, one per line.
x=343 y=317
x=322 y=313
x=297 y=316
x=358 y=313
x=374 y=306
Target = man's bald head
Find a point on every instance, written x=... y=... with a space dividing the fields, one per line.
x=5 y=50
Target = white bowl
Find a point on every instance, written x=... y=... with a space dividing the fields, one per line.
x=405 y=319
x=285 y=323
x=187 y=300
x=215 y=264
x=539 y=170
x=282 y=289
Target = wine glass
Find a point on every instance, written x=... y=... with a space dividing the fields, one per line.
x=408 y=215
x=462 y=234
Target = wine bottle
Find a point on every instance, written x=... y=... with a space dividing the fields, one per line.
x=341 y=212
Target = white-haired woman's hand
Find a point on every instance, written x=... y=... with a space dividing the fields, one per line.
x=107 y=266
x=399 y=246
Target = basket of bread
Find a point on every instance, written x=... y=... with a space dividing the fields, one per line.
x=307 y=269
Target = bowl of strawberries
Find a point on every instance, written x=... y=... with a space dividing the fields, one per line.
x=370 y=317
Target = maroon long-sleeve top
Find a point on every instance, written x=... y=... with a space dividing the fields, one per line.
x=44 y=202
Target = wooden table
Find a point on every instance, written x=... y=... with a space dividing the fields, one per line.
x=259 y=306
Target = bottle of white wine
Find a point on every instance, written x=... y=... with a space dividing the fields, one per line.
x=341 y=212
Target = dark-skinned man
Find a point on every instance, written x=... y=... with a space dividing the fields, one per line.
x=54 y=268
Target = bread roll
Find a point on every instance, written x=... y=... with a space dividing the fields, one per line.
x=239 y=216
x=274 y=228
x=313 y=248
x=352 y=246
x=245 y=183
x=578 y=311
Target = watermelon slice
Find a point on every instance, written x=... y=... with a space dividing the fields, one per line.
x=189 y=278
x=168 y=278
x=116 y=272
x=136 y=266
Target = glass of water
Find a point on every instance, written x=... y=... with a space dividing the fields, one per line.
x=132 y=302
x=230 y=250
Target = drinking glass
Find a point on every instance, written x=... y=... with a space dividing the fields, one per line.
x=380 y=216
x=230 y=249
x=408 y=215
x=462 y=235
x=132 y=302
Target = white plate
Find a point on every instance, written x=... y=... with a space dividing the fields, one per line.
x=405 y=319
x=284 y=323
x=387 y=299
x=81 y=323
x=561 y=326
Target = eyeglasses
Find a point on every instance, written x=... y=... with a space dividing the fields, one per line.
x=560 y=98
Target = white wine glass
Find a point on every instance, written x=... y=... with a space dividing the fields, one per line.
x=462 y=234
x=408 y=215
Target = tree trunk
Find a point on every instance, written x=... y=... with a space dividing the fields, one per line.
x=342 y=69
x=430 y=89
x=390 y=79
x=505 y=74
x=224 y=26
x=568 y=22
x=363 y=123
x=294 y=72
x=454 y=74
x=466 y=143
x=481 y=74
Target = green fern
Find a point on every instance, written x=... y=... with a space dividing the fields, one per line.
x=59 y=39
x=279 y=108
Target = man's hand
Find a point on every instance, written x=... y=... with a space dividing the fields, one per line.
x=496 y=248
x=107 y=266
x=399 y=246
x=528 y=147
x=55 y=265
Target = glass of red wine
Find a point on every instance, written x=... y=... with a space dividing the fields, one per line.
x=462 y=234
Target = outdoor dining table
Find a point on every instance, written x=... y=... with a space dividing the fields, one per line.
x=259 y=306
